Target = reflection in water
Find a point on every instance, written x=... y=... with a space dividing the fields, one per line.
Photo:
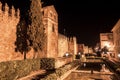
x=89 y=76
x=84 y=64
x=104 y=69
x=91 y=72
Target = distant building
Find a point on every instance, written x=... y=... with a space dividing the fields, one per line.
x=72 y=45
x=86 y=50
x=81 y=48
x=116 y=36
x=50 y=22
x=90 y=50
x=66 y=45
x=75 y=44
x=106 y=39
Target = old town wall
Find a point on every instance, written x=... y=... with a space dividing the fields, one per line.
x=9 y=19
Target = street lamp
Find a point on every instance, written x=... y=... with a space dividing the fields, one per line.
x=67 y=54
x=119 y=56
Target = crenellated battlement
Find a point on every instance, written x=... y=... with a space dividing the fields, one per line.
x=9 y=19
x=7 y=11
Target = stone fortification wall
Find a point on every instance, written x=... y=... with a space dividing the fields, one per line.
x=50 y=21
x=9 y=19
x=15 y=26
x=62 y=45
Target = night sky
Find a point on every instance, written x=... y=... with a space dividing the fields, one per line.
x=85 y=19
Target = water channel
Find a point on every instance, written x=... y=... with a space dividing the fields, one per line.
x=92 y=70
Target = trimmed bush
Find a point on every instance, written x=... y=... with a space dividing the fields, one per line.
x=60 y=71
x=12 y=70
x=47 y=63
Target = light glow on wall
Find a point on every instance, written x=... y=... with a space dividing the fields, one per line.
x=107 y=44
x=118 y=55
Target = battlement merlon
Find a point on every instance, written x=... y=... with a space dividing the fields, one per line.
x=12 y=12
x=6 y=9
x=0 y=7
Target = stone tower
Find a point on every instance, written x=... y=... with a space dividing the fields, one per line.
x=8 y=23
x=50 y=22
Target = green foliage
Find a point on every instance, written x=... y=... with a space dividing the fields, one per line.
x=4 y=69
x=47 y=63
x=36 y=29
x=118 y=69
x=12 y=70
x=30 y=30
x=22 y=43
x=60 y=71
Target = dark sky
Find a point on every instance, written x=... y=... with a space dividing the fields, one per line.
x=86 y=19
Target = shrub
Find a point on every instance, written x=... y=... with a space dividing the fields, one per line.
x=47 y=63
x=60 y=71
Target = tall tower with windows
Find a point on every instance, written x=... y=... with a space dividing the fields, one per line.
x=50 y=22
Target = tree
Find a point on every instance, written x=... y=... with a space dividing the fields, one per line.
x=22 y=42
x=35 y=31
x=30 y=30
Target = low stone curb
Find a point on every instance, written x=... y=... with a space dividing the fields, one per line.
x=67 y=73
x=32 y=75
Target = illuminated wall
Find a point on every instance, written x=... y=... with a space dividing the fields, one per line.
x=116 y=36
x=106 y=39
x=8 y=23
x=75 y=45
x=9 y=19
x=62 y=45
x=50 y=22
x=86 y=51
x=81 y=48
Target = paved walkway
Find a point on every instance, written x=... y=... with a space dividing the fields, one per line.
x=32 y=75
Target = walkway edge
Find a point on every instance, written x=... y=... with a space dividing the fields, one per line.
x=32 y=75
x=67 y=73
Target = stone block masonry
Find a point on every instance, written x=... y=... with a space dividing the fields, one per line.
x=9 y=19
